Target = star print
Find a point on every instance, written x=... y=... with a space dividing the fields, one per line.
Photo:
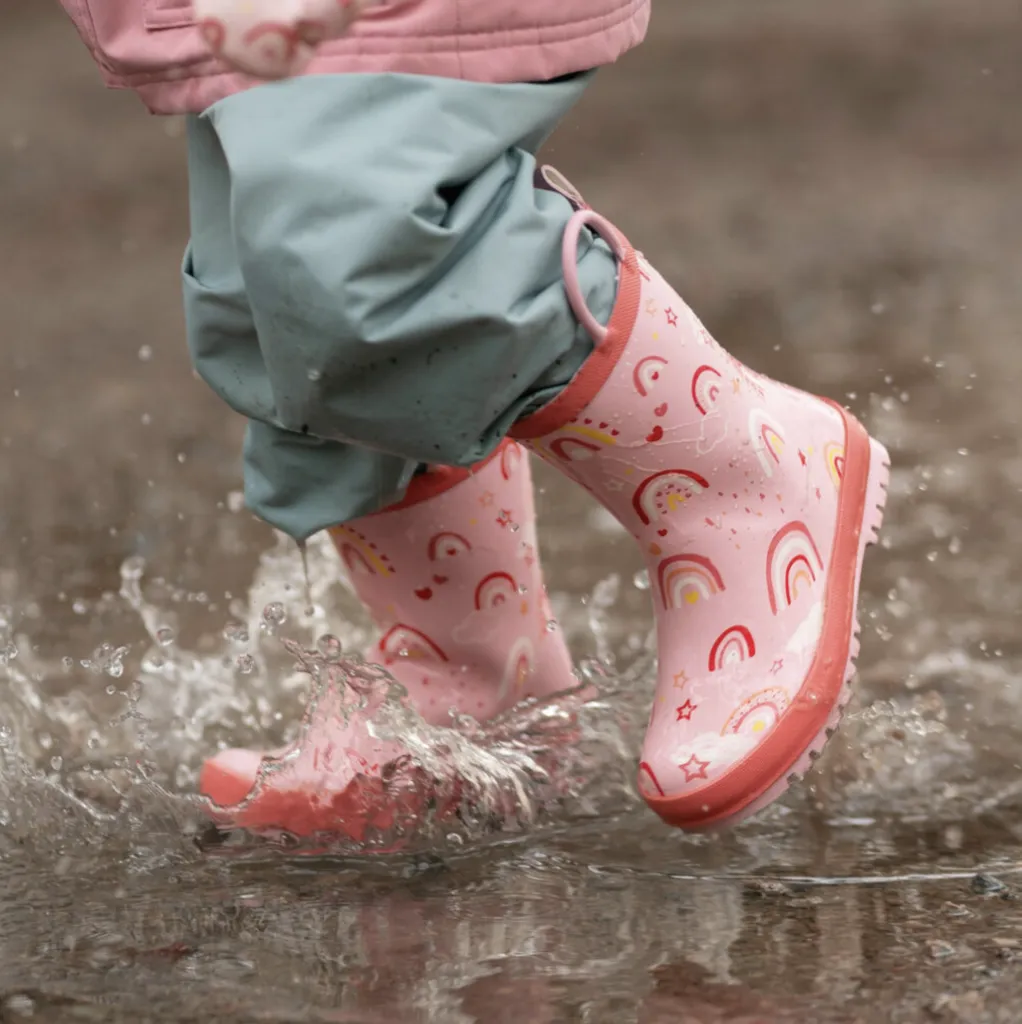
x=777 y=666
x=801 y=456
x=819 y=496
x=486 y=499
x=685 y=711
x=672 y=317
x=529 y=555
x=680 y=679
x=504 y=519
x=694 y=768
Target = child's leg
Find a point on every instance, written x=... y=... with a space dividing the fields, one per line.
x=451 y=572
x=394 y=277
x=753 y=504
x=453 y=578
x=451 y=575
x=430 y=317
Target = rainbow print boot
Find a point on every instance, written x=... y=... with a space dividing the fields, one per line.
x=452 y=577
x=753 y=504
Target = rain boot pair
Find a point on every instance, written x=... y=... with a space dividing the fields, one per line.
x=752 y=504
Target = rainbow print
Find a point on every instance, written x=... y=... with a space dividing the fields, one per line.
x=706 y=388
x=758 y=714
x=793 y=561
x=447 y=545
x=687 y=579
x=645 y=768
x=405 y=642
x=520 y=664
x=495 y=590
x=834 y=454
x=663 y=493
x=359 y=554
x=582 y=440
x=732 y=647
x=647 y=373
x=767 y=440
x=510 y=458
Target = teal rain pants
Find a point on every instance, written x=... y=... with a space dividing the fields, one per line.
x=374 y=280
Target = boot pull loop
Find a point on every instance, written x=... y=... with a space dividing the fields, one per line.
x=569 y=256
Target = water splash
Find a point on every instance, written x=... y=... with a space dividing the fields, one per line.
x=109 y=746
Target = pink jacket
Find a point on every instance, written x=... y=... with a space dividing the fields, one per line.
x=156 y=47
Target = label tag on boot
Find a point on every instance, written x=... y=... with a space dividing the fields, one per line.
x=551 y=179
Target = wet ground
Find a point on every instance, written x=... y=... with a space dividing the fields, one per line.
x=836 y=191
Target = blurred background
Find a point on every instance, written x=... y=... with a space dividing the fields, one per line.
x=835 y=189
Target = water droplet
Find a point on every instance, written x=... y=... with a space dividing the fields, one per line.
x=56 y=762
x=236 y=633
x=303 y=551
x=236 y=501
x=641 y=580
x=145 y=353
x=522 y=588
x=330 y=647
x=79 y=607
x=274 y=615
x=165 y=636
x=315 y=375
x=68 y=663
x=245 y=664
x=551 y=626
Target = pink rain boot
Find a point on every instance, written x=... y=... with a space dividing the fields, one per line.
x=753 y=504
x=452 y=577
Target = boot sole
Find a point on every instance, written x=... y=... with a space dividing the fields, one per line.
x=800 y=736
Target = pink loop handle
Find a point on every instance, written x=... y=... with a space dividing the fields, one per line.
x=569 y=258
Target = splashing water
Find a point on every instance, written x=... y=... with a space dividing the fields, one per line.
x=108 y=747
x=114 y=742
